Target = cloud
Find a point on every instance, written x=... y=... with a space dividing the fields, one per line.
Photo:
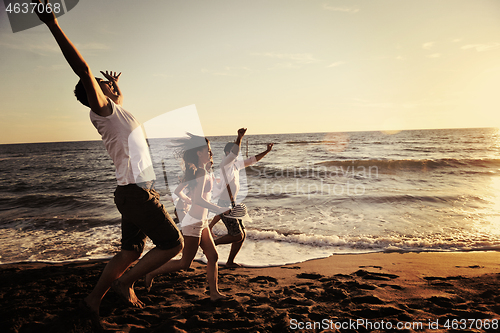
x=92 y=46
x=161 y=75
x=298 y=58
x=404 y=105
x=32 y=43
x=335 y=64
x=52 y=68
x=341 y=9
x=481 y=47
x=217 y=73
x=434 y=55
x=29 y=44
x=383 y=105
x=228 y=71
x=427 y=46
x=290 y=60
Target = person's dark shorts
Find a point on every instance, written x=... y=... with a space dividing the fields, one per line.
x=234 y=226
x=143 y=215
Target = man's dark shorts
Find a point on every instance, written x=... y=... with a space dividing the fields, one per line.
x=234 y=226
x=143 y=215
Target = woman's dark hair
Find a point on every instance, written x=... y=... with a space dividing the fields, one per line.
x=188 y=150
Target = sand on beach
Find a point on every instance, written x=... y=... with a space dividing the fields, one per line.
x=434 y=292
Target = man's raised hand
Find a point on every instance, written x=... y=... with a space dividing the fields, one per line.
x=111 y=76
x=44 y=15
x=241 y=132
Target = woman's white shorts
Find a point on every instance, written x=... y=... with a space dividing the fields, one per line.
x=193 y=227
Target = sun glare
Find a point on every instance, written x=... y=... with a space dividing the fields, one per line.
x=335 y=142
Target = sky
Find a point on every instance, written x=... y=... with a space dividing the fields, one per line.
x=273 y=66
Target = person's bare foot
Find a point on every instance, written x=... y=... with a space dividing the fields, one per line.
x=90 y=313
x=218 y=296
x=232 y=265
x=90 y=305
x=148 y=281
x=127 y=294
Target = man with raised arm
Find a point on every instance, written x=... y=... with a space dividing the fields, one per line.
x=230 y=174
x=142 y=213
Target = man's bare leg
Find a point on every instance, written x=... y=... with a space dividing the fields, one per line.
x=236 y=243
x=212 y=224
x=235 y=248
x=113 y=270
x=124 y=285
x=228 y=239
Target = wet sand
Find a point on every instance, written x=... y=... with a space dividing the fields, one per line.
x=356 y=293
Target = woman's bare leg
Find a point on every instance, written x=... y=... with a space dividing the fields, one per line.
x=188 y=253
x=208 y=246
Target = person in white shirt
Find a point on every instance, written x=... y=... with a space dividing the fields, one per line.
x=142 y=213
x=197 y=156
x=230 y=174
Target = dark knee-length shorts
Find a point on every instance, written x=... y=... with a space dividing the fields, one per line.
x=143 y=215
x=234 y=226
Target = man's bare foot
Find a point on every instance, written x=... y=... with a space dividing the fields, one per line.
x=91 y=305
x=148 y=281
x=127 y=294
x=91 y=314
x=232 y=265
x=218 y=296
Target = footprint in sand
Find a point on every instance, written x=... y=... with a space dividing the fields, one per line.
x=375 y=276
x=264 y=280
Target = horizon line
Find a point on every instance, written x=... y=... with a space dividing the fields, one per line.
x=388 y=131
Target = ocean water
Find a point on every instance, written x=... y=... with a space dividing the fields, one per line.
x=312 y=196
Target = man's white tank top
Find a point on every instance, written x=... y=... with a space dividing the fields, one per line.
x=124 y=140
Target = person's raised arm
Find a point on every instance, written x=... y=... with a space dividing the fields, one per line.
x=258 y=157
x=235 y=149
x=97 y=100
x=237 y=146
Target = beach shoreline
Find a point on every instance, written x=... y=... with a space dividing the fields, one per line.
x=363 y=292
